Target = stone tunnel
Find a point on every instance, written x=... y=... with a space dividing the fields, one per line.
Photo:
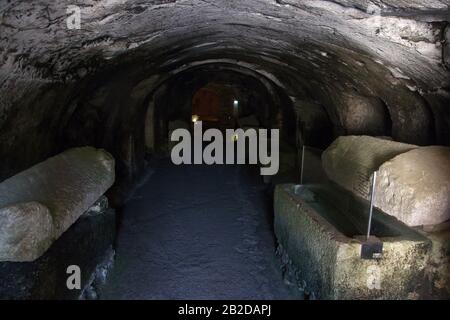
x=92 y=92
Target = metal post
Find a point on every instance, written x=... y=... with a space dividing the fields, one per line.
x=372 y=199
x=303 y=162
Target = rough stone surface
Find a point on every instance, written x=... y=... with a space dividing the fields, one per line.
x=363 y=115
x=446 y=52
x=26 y=231
x=57 y=78
x=415 y=186
x=87 y=243
x=312 y=231
x=351 y=160
x=438 y=267
x=67 y=184
x=313 y=125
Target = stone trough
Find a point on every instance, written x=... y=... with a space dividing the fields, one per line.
x=321 y=227
x=317 y=226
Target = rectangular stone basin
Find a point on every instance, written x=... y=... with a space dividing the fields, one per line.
x=316 y=226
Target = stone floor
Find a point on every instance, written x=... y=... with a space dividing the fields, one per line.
x=198 y=232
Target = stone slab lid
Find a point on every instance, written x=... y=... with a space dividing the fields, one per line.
x=415 y=186
x=40 y=203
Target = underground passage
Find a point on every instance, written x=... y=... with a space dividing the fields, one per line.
x=225 y=150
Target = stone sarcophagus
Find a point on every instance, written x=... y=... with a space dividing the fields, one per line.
x=53 y=216
x=351 y=160
x=39 y=204
x=413 y=183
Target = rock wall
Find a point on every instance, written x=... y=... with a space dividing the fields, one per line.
x=89 y=83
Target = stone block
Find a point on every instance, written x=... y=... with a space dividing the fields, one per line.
x=351 y=160
x=414 y=186
x=26 y=231
x=87 y=244
x=64 y=186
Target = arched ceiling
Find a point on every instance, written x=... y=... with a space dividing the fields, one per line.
x=395 y=50
x=406 y=37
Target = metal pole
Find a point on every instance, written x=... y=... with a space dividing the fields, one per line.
x=303 y=162
x=372 y=199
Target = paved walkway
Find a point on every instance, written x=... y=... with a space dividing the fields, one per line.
x=197 y=232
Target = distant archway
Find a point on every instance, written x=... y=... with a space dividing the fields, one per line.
x=213 y=104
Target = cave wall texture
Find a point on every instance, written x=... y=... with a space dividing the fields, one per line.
x=377 y=67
